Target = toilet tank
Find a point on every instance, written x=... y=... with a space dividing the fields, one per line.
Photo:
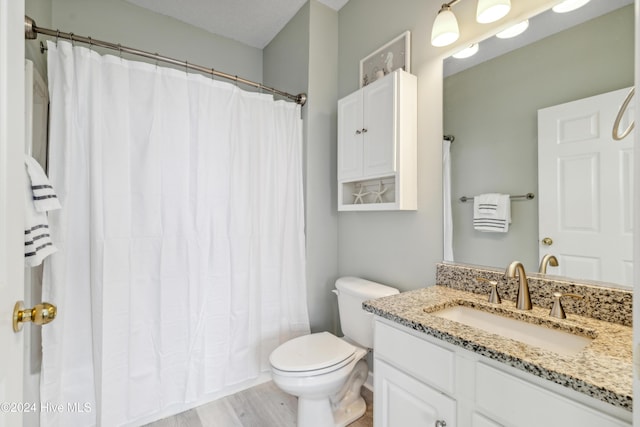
x=357 y=324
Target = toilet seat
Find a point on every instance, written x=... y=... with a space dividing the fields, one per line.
x=312 y=354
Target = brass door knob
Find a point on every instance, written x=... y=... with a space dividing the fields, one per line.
x=547 y=241
x=40 y=314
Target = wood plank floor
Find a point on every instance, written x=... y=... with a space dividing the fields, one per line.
x=264 y=405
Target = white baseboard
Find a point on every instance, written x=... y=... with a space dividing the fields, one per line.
x=369 y=382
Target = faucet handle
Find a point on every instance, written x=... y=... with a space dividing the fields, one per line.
x=557 y=310
x=494 y=296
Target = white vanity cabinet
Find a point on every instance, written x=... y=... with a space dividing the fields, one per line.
x=419 y=380
x=377 y=138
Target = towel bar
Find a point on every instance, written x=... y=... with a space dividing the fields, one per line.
x=527 y=196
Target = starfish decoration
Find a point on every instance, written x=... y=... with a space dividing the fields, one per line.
x=359 y=195
x=377 y=195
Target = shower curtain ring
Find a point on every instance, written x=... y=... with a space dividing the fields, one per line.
x=72 y=41
x=90 y=44
x=186 y=67
x=213 y=74
x=156 y=56
x=57 y=36
x=120 y=50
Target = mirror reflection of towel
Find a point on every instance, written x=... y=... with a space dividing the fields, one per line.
x=39 y=198
x=492 y=212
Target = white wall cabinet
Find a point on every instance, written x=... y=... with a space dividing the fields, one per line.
x=377 y=139
x=439 y=381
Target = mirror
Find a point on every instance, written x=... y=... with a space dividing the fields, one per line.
x=491 y=106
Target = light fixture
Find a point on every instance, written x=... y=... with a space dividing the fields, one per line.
x=514 y=30
x=569 y=5
x=466 y=52
x=445 y=28
x=492 y=10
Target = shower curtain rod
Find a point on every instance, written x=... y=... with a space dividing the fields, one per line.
x=31 y=31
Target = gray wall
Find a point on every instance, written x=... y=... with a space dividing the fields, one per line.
x=40 y=12
x=303 y=57
x=491 y=109
x=120 y=22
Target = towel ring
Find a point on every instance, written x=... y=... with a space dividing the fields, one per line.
x=623 y=109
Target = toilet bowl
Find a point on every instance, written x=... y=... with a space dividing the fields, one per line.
x=325 y=372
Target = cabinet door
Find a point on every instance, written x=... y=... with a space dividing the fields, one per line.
x=350 y=136
x=402 y=401
x=379 y=150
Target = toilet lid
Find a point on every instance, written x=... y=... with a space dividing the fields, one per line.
x=311 y=352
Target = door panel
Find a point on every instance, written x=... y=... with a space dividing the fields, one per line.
x=379 y=141
x=350 y=137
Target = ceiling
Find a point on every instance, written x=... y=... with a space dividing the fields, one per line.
x=252 y=22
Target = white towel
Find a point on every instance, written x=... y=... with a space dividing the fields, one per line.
x=39 y=198
x=44 y=197
x=492 y=212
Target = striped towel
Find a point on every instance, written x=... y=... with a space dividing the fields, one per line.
x=492 y=212
x=39 y=198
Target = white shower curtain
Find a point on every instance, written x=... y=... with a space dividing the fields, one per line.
x=181 y=261
x=446 y=201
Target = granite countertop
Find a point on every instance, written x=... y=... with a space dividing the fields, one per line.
x=602 y=370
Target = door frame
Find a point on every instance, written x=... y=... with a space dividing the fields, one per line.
x=12 y=134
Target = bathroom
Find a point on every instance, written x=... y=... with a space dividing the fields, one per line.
x=318 y=52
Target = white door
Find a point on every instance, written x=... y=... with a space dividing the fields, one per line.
x=586 y=192
x=11 y=207
x=379 y=127
x=402 y=401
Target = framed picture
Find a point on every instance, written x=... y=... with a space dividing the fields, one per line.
x=393 y=55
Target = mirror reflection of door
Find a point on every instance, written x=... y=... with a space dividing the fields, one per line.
x=586 y=200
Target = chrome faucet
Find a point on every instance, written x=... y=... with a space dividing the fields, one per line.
x=548 y=259
x=523 y=299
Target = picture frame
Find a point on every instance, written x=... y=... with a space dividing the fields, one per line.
x=393 y=55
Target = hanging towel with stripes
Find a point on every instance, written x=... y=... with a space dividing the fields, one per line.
x=40 y=197
x=492 y=212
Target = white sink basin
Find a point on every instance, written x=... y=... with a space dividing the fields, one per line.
x=558 y=341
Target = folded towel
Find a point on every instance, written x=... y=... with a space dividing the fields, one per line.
x=492 y=212
x=39 y=198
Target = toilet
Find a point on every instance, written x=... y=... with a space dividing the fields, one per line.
x=326 y=372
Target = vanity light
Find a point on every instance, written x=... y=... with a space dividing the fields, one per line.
x=569 y=5
x=466 y=52
x=492 y=10
x=445 y=28
x=514 y=30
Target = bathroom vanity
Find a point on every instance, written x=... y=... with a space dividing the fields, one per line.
x=431 y=370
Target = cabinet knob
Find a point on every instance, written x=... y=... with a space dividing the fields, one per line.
x=364 y=130
x=441 y=423
x=358 y=132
